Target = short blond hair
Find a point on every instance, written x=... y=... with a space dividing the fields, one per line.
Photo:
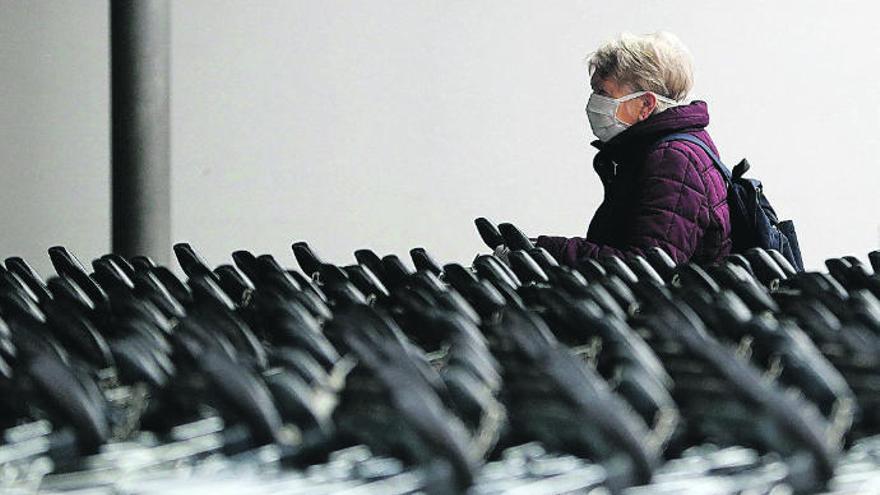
x=657 y=62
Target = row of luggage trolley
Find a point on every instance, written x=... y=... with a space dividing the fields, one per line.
x=622 y=375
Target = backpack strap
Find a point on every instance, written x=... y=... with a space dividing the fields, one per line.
x=681 y=136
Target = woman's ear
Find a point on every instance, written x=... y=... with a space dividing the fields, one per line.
x=649 y=103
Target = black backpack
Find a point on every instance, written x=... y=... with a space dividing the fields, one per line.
x=753 y=221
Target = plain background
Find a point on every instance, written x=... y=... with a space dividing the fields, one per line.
x=392 y=124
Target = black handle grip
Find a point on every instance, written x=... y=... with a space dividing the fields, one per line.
x=248 y=264
x=423 y=261
x=190 y=261
x=64 y=289
x=396 y=272
x=490 y=268
x=66 y=264
x=488 y=232
x=874 y=258
x=543 y=258
x=142 y=263
x=765 y=268
x=371 y=260
x=618 y=267
x=784 y=264
x=110 y=276
x=307 y=259
x=63 y=260
x=839 y=269
x=365 y=280
x=526 y=268
x=30 y=277
x=643 y=269
x=661 y=262
x=174 y=285
x=147 y=285
x=233 y=283
x=333 y=275
x=121 y=263
x=514 y=238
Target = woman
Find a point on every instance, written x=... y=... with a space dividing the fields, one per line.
x=668 y=194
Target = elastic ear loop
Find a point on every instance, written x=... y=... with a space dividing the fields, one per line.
x=640 y=93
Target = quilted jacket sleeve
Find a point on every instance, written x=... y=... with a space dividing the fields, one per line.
x=668 y=214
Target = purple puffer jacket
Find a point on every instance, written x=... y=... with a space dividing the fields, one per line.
x=668 y=195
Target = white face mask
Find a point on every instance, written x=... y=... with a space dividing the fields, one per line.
x=602 y=113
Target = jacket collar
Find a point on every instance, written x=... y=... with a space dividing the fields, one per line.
x=690 y=117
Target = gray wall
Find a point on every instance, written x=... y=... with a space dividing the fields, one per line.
x=54 y=129
x=392 y=124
